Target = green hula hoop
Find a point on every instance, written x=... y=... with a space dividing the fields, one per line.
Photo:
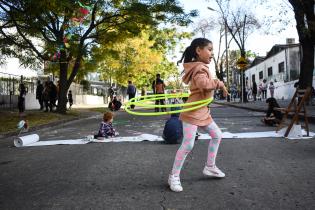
x=141 y=100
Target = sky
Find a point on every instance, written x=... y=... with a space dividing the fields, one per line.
x=258 y=42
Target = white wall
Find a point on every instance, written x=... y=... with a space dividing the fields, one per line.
x=31 y=102
x=263 y=66
x=283 y=90
x=88 y=100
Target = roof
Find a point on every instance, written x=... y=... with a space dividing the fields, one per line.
x=274 y=50
x=278 y=48
x=257 y=60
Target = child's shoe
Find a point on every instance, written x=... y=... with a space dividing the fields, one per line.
x=174 y=183
x=213 y=171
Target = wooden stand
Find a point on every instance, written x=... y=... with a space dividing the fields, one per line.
x=297 y=108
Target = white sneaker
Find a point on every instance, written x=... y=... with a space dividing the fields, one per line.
x=174 y=183
x=213 y=172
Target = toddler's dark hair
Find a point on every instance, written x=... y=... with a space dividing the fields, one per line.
x=190 y=54
x=108 y=116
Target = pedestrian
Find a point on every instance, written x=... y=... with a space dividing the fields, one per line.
x=273 y=116
x=254 y=90
x=52 y=95
x=233 y=91
x=158 y=87
x=259 y=92
x=264 y=89
x=45 y=96
x=131 y=91
x=196 y=73
x=39 y=94
x=21 y=99
x=70 y=99
x=271 y=89
x=111 y=92
x=106 y=129
x=115 y=104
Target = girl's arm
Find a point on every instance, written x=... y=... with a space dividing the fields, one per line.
x=203 y=82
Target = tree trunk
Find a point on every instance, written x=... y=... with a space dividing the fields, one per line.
x=307 y=64
x=63 y=89
x=305 y=18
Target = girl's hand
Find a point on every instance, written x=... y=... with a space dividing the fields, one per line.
x=225 y=92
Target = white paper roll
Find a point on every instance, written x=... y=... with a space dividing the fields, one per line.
x=25 y=140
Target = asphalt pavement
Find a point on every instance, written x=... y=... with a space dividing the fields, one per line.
x=261 y=173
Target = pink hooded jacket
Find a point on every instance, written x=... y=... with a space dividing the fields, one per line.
x=201 y=86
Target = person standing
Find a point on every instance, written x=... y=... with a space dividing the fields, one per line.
x=196 y=73
x=111 y=92
x=21 y=99
x=131 y=91
x=264 y=89
x=52 y=95
x=45 y=96
x=70 y=99
x=271 y=89
x=39 y=94
x=158 y=87
x=254 y=90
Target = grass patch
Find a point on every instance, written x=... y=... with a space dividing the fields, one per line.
x=10 y=119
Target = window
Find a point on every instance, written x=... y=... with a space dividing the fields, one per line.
x=253 y=77
x=261 y=75
x=269 y=71
x=281 y=67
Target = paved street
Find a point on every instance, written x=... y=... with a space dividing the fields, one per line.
x=262 y=173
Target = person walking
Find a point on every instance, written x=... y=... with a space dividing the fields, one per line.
x=131 y=91
x=196 y=73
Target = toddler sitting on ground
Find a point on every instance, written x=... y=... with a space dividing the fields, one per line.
x=106 y=128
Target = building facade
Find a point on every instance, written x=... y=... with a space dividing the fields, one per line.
x=280 y=66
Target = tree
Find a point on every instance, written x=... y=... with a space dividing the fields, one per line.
x=305 y=25
x=204 y=26
x=65 y=31
x=138 y=58
x=240 y=23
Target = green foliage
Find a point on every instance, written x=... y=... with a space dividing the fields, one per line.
x=138 y=58
x=35 y=31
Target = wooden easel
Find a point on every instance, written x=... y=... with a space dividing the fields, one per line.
x=297 y=108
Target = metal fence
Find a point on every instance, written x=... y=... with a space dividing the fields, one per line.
x=9 y=88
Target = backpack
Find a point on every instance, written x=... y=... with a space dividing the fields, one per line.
x=173 y=131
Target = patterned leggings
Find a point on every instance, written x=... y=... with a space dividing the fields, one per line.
x=187 y=145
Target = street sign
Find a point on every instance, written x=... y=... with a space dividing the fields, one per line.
x=241 y=63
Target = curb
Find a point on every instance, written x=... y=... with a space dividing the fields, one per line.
x=311 y=119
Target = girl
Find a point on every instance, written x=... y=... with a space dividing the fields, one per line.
x=106 y=128
x=196 y=73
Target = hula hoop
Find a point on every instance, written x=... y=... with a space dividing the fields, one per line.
x=140 y=101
